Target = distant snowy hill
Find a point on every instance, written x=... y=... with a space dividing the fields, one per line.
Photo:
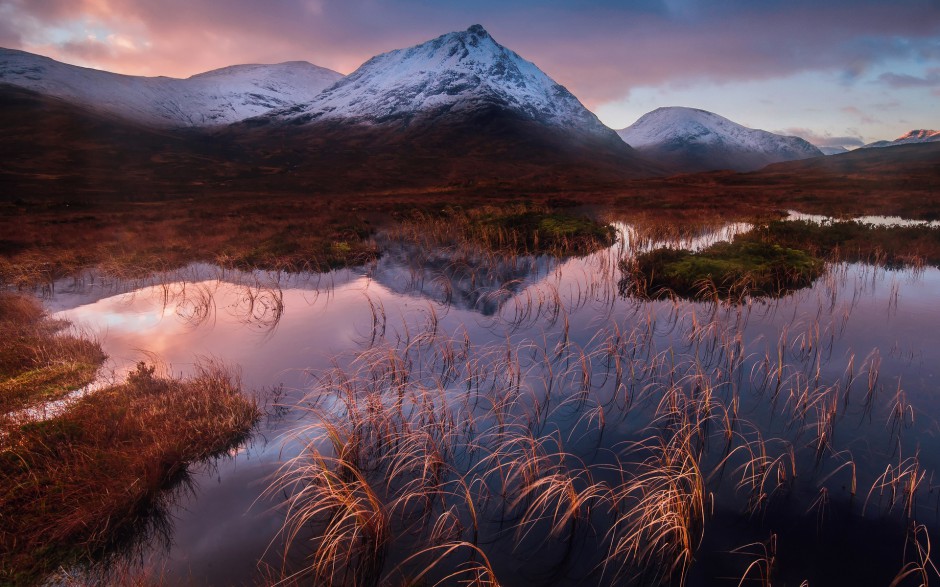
x=833 y=150
x=915 y=136
x=691 y=140
x=455 y=73
x=213 y=98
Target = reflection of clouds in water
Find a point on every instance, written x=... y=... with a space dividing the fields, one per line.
x=120 y=320
x=206 y=310
x=235 y=322
x=322 y=319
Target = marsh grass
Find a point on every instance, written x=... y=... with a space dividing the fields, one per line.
x=851 y=241
x=516 y=229
x=46 y=241
x=77 y=484
x=428 y=458
x=599 y=456
x=39 y=362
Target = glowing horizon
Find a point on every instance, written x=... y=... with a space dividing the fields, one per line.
x=846 y=73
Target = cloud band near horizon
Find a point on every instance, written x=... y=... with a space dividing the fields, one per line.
x=853 y=56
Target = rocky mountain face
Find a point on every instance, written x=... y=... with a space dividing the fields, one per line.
x=456 y=73
x=461 y=108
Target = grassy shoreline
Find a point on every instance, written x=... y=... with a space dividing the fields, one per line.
x=77 y=484
x=46 y=236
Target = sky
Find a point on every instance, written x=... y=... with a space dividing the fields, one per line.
x=836 y=72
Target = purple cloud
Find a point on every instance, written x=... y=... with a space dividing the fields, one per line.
x=863 y=117
x=903 y=80
x=823 y=139
x=599 y=49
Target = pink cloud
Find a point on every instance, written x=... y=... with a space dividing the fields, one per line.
x=824 y=139
x=600 y=52
x=863 y=117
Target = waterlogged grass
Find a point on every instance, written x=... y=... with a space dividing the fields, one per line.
x=46 y=383
x=76 y=484
x=42 y=242
x=37 y=361
x=854 y=241
x=727 y=269
x=510 y=229
x=535 y=230
x=437 y=463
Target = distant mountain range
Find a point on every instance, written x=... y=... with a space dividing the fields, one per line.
x=833 y=150
x=459 y=107
x=459 y=111
x=914 y=136
x=690 y=140
x=216 y=97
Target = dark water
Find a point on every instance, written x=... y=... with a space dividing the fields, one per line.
x=785 y=400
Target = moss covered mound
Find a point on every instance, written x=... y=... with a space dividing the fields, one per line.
x=726 y=270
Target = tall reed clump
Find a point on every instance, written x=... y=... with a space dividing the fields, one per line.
x=78 y=484
x=661 y=514
x=596 y=452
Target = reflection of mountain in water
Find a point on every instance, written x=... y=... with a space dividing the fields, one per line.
x=470 y=280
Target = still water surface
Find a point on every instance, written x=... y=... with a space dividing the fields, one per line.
x=845 y=371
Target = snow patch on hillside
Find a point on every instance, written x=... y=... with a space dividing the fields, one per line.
x=455 y=72
x=912 y=137
x=678 y=126
x=216 y=97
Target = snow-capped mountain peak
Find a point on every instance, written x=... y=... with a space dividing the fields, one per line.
x=458 y=71
x=215 y=97
x=676 y=123
x=921 y=135
x=698 y=140
x=914 y=136
x=833 y=150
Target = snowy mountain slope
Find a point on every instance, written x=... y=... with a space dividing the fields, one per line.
x=213 y=98
x=457 y=72
x=690 y=140
x=914 y=136
x=833 y=150
x=459 y=110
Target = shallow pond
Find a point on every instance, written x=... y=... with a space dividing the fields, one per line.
x=580 y=435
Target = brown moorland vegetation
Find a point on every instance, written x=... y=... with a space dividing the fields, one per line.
x=84 y=478
x=80 y=188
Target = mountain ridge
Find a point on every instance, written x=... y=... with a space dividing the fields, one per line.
x=689 y=140
x=451 y=73
x=910 y=137
x=213 y=98
x=460 y=108
x=470 y=131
